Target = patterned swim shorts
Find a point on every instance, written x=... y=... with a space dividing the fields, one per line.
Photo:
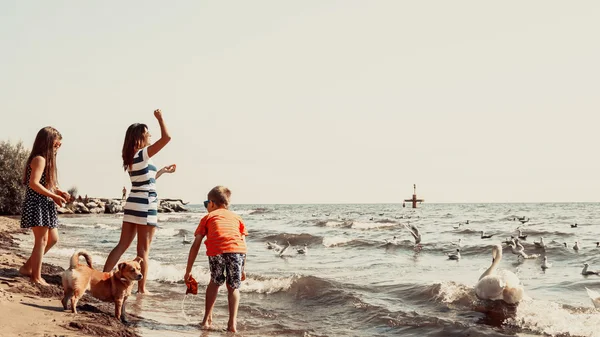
x=227 y=266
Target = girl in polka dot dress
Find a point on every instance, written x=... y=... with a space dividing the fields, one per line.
x=41 y=198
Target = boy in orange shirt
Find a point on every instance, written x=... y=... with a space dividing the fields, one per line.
x=225 y=234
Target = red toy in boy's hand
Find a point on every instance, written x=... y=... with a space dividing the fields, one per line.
x=192 y=286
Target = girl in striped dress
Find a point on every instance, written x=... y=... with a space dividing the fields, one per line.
x=140 y=216
x=41 y=198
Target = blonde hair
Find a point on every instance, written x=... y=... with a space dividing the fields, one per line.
x=220 y=195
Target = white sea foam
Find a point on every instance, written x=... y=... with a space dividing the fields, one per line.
x=266 y=286
x=552 y=319
x=334 y=223
x=167 y=231
x=334 y=241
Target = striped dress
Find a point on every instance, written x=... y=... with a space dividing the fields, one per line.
x=142 y=202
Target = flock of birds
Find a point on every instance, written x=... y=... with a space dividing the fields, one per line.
x=504 y=285
x=281 y=251
x=493 y=284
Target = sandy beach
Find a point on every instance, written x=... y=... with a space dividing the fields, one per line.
x=31 y=310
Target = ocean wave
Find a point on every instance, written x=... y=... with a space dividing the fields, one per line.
x=295 y=239
x=336 y=241
x=373 y=225
x=259 y=210
x=554 y=319
x=333 y=223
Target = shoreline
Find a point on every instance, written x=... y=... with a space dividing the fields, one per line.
x=33 y=310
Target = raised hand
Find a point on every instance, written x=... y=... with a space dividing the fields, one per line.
x=158 y=114
x=170 y=169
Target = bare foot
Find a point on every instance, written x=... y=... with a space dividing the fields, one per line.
x=41 y=282
x=144 y=292
x=25 y=271
x=206 y=323
x=231 y=328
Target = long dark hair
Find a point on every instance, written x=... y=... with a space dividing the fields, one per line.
x=44 y=146
x=134 y=139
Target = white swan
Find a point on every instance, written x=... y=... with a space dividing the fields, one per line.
x=595 y=297
x=545 y=264
x=185 y=240
x=503 y=285
x=454 y=256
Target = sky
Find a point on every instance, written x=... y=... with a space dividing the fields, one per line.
x=302 y=102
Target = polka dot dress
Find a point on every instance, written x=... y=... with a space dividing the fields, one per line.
x=38 y=210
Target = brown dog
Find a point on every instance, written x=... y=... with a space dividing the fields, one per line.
x=114 y=286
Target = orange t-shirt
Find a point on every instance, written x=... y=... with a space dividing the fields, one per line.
x=224 y=231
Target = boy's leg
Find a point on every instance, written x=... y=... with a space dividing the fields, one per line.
x=217 y=278
x=233 y=298
x=235 y=268
x=211 y=297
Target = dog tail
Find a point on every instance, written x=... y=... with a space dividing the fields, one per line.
x=75 y=258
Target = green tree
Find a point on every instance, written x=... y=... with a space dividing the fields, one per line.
x=12 y=164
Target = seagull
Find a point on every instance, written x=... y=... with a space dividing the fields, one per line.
x=454 y=256
x=587 y=272
x=595 y=297
x=540 y=243
x=521 y=236
x=303 y=250
x=564 y=243
x=518 y=249
x=273 y=245
x=523 y=220
x=284 y=249
x=185 y=240
x=393 y=241
x=461 y=223
x=574 y=226
x=545 y=264
x=598 y=244
x=576 y=247
x=483 y=236
x=415 y=233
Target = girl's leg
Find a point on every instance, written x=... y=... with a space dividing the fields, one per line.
x=26 y=269
x=211 y=297
x=145 y=235
x=128 y=232
x=233 y=299
x=40 y=234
